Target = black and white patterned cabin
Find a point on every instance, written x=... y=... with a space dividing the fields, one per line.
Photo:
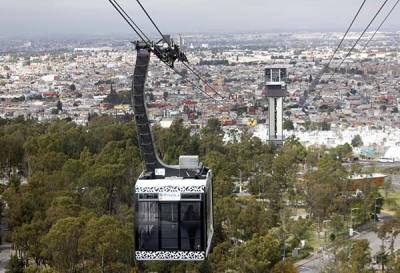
x=174 y=218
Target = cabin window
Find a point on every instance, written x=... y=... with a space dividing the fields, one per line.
x=268 y=75
x=148 y=227
x=171 y=226
x=148 y=196
x=283 y=74
x=191 y=196
x=275 y=75
x=190 y=226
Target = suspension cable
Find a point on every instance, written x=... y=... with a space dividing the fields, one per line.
x=185 y=64
x=149 y=42
x=126 y=19
x=195 y=85
x=142 y=36
x=152 y=21
x=131 y=20
x=384 y=20
x=358 y=40
x=347 y=31
x=203 y=80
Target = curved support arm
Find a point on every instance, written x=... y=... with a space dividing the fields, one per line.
x=154 y=167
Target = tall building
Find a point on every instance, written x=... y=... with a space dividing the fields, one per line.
x=181 y=41
x=275 y=91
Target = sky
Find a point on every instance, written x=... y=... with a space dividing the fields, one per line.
x=47 y=18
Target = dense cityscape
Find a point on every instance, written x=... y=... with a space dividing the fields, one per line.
x=75 y=82
x=299 y=146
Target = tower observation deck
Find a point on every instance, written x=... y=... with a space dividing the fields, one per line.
x=275 y=91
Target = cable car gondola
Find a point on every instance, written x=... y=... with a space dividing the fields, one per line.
x=173 y=204
x=174 y=218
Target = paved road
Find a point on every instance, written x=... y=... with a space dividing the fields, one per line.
x=315 y=263
x=5 y=253
x=375 y=243
x=378 y=164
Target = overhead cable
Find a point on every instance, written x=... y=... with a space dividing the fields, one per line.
x=131 y=20
x=131 y=24
x=203 y=80
x=359 y=38
x=142 y=36
x=195 y=85
x=151 y=20
x=380 y=26
x=185 y=64
x=347 y=31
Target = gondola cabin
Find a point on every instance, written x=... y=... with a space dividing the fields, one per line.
x=174 y=218
x=173 y=204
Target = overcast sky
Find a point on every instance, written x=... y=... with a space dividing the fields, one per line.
x=97 y=17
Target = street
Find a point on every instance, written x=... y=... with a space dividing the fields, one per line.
x=5 y=253
x=315 y=263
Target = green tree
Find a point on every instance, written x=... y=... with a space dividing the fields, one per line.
x=27 y=239
x=107 y=245
x=72 y=87
x=62 y=244
x=282 y=177
x=325 y=188
x=176 y=141
x=390 y=230
x=393 y=264
x=351 y=257
x=111 y=176
x=253 y=218
x=221 y=259
x=15 y=265
x=213 y=126
x=113 y=98
x=62 y=207
x=288 y=125
x=284 y=267
x=342 y=152
x=259 y=254
x=77 y=205
x=361 y=257
x=59 y=106
x=357 y=141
